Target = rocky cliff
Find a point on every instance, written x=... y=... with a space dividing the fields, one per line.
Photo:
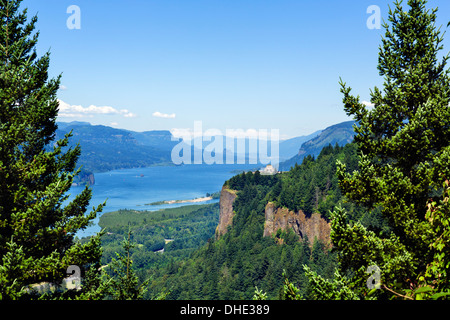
x=281 y=218
x=227 y=198
x=276 y=218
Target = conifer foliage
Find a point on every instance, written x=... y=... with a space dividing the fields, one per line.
x=36 y=230
x=123 y=284
x=404 y=144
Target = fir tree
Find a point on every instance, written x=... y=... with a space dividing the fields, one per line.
x=404 y=144
x=122 y=282
x=36 y=230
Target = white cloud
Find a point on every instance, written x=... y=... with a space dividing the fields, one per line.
x=62 y=87
x=367 y=103
x=158 y=114
x=73 y=115
x=127 y=114
x=72 y=111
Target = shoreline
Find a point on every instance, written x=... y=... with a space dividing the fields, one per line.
x=202 y=199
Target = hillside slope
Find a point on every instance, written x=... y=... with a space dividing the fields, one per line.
x=267 y=224
x=341 y=134
x=104 y=148
x=289 y=148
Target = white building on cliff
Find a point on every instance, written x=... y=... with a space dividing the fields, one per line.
x=269 y=170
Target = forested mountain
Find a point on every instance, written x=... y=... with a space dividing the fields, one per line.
x=104 y=148
x=341 y=133
x=230 y=267
x=197 y=265
x=289 y=148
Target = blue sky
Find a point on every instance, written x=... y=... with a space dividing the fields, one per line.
x=235 y=64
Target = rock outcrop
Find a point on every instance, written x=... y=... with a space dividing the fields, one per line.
x=227 y=197
x=313 y=227
x=281 y=218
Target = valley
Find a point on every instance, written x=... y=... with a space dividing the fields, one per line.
x=217 y=246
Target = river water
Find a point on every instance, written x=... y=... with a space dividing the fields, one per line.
x=134 y=188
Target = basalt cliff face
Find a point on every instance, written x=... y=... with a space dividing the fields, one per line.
x=313 y=227
x=227 y=198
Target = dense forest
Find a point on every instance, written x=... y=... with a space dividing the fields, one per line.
x=232 y=266
x=179 y=231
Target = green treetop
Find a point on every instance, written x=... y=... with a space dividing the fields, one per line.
x=404 y=144
x=36 y=230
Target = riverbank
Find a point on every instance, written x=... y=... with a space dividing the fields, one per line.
x=202 y=199
x=127 y=189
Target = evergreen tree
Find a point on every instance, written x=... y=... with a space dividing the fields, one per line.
x=122 y=283
x=36 y=231
x=404 y=144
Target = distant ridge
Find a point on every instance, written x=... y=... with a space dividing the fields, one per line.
x=289 y=147
x=341 y=133
x=105 y=148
